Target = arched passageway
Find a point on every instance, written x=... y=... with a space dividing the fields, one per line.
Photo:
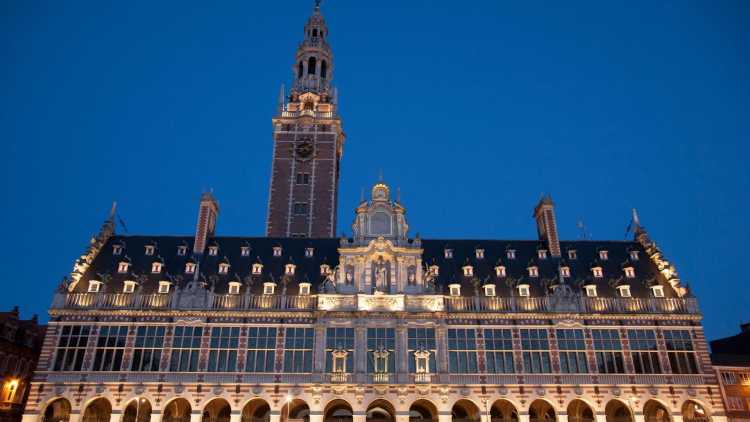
x=579 y=411
x=138 y=410
x=380 y=411
x=177 y=410
x=465 y=411
x=57 y=411
x=617 y=411
x=653 y=411
x=217 y=410
x=98 y=410
x=295 y=410
x=423 y=411
x=256 y=410
x=338 y=411
x=503 y=411
x=694 y=412
x=541 y=411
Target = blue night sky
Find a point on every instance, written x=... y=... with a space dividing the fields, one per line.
x=472 y=108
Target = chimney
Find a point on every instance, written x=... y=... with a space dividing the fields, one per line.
x=544 y=213
x=206 y=227
x=745 y=327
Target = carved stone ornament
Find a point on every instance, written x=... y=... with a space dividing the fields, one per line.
x=218 y=389
x=691 y=392
x=59 y=390
x=189 y=320
x=139 y=389
x=503 y=391
x=539 y=391
x=465 y=391
x=423 y=390
x=380 y=389
x=653 y=390
x=179 y=388
x=100 y=388
x=257 y=390
x=616 y=391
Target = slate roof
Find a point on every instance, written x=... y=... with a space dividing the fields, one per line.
x=325 y=251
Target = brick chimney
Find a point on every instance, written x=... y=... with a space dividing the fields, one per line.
x=544 y=213
x=206 y=227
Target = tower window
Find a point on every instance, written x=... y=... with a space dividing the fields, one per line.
x=325 y=269
x=311 y=63
x=448 y=253
x=434 y=270
x=181 y=250
x=116 y=249
x=511 y=253
x=634 y=255
x=156 y=267
x=309 y=252
x=603 y=255
x=500 y=271
x=122 y=267
x=223 y=268
x=629 y=272
x=598 y=272
x=533 y=271
x=213 y=250
x=572 y=254
x=303 y=178
x=479 y=253
x=565 y=272
x=300 y=70
x=323 y=69
x=300 y=208
x=149 y=250
x=277 y=251
x=542 y=253
x=245 y=250
x=289 y=269
x=468 y=270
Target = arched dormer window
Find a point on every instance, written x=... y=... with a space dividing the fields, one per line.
x=223 y=268
x=323 y=69
x=289 y=269
x=468 y=270
x=489 y=290
x=311 y=63
x=598 y=272
x=315 y=32
x=500 y=271
x=123 y=267
x=565 y=272
x=156 y=267
x=300 y=70
x=533 y=271
x=95 y=286
x=189 y=267
x=629 y=272
x=257 y=268
x=325 y=269
x=454 y=289
x=234 y=288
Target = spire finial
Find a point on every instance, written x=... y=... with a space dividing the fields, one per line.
x=317 y=5
x=361 y=195
x=636 y=220
x=112 y=212
x=380 y=175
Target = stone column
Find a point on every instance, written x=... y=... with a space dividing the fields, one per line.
x=360 y=349
x=316 y=416
x=274 y=417
x=600 y=417
x=196 y=415
x=441 y=336
x=359 y=416
x=319 y=359
x=75 y=416
x=402 y=349
x=30 y=417
x=235 y=416
x=115 y=416
x=639 y=417
x=523 y=417
x=562 y=417
x=156 y=415
x=446 y=417
x=676 y=417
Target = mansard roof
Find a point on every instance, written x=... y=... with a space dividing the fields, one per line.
x=325 y=251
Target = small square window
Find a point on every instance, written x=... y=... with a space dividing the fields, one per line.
x=533 y=271
x=624 y=291
x=603 y=255
x=565 y=272
x=572 y=254
x=123 y=267
x=448 y=253
x=489 y=290
x=300 y=208
x=234 y=288
x=454 y=289
x=156 y=267
x=511 y=253
x=181 y=250
x=257 y=269
x=128 y=286
x=213 y=250
x=523 y=290
x=309 y=252
x=468 y=270
x=324 y=269
x=597 y=272
x=303 y=178
x=189 y=268
x=591 y=290
x=277 y=251
x=150 y=250
x=479 y=253
x=634 y=255
x=500 y=271
x=245 y=251
x=268 y=288
x=94 y=286
x=629 y=272
x=658 y=291
x=223 y=268
x=164 y=286
x=542 y=253
x=116 y=249
x=304 y=289
x=289 y=269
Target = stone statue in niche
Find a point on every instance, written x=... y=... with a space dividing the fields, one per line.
x=381 y=276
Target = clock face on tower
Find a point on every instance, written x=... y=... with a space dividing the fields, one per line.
x=304 y=150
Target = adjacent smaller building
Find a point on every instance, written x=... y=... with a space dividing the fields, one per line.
x=731 y=359
x=20 y=344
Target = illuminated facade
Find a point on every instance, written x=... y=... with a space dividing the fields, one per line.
x=20 y=343
x=380 y=326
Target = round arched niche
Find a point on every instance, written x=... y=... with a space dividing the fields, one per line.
x=380 y=411
x=503 y=411
x=338 y=411
x=217 y=410
x=653 y=411
x=256 y=410
x=541 y=411
x=617 y=411
x=98 y=410
x=465 y=411
x=138 y=410
x=178 y=410
x=423 y=411
x=57 y=411
x=295 y=410
x=694 y=412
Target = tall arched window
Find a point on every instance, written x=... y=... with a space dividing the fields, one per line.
x=315 y=33
x=311 y=66
x=323 y=69
x=300 y=70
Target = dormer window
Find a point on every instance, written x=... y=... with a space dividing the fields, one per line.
x=523 y=290
x=542 y=253
x=658 y=291
x=123 y=267
x=624 y=290
x=454 y=289
x=572 y=254
x=245 y=251
x=634 y=255
x=565 y=272
x=189 y=267
x=213 y=250
x=309 y=252
x=603 y=255
x=150 y=250
x=116 y=250
x=304 y=289
x=325 y=269
x=434 y=270
x=223 y=268
x=156 y=267
x=479 y=253
x=468 y=270
x=269 y=288
x=94 y=286
x=164 y=286
x=128 y=286
x=181 y=250
x=489 y=290
x=629 y=272
x=511 y=253
x=597 y=272
x=448 y=253
x=500 y=271
x=289 y=269
x=257 y=269
x=590 y=290
x=277 y=251
x=533 y=271
x=234 y=288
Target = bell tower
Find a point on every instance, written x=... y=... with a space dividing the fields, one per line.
x=308 y=143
